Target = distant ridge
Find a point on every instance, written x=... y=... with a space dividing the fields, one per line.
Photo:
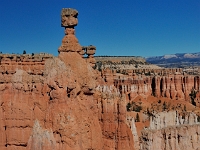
x=120 y=58
x=122 y=63
x=176 y=60
x=117 y=56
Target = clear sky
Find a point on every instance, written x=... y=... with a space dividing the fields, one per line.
x=115 y=27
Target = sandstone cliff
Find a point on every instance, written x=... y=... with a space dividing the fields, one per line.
x=171 y=131
x=171 y=84
x=58 y=103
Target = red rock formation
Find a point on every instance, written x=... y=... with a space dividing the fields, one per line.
x=90 y=51
x=69 y=21
x=62 y=103
x=177 y=86
x=52 y=103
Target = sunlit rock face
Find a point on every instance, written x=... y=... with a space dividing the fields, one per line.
x=69 y=21
x=58 y=103
x=54 y=103
x=171 y=131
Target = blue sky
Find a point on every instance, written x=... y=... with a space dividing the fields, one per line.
x=115 y=27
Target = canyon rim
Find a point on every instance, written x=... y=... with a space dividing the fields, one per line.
x=70 y=102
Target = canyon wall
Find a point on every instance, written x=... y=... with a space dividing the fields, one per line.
x=171 y=131
x=177 y=86
x=57 y=103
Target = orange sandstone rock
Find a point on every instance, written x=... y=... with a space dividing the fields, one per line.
x=61 y=102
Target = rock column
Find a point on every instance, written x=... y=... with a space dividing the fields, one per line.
x=90 y=52
x=69 y=21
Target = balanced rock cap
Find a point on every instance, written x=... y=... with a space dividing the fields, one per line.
x=69 y=17
x=91 y=50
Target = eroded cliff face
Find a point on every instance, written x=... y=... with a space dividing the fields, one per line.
x=22 y=97
x=53 y=110
x=177 y=86
x=57 y=103
x=171 y=131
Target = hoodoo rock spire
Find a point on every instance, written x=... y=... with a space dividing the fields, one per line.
x=69 y=21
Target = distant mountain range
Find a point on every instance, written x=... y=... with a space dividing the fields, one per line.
x=176 y=60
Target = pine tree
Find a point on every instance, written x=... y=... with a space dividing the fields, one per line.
x=164 y=106
x=185 y=108
x=137 y=118
x=128 y=107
